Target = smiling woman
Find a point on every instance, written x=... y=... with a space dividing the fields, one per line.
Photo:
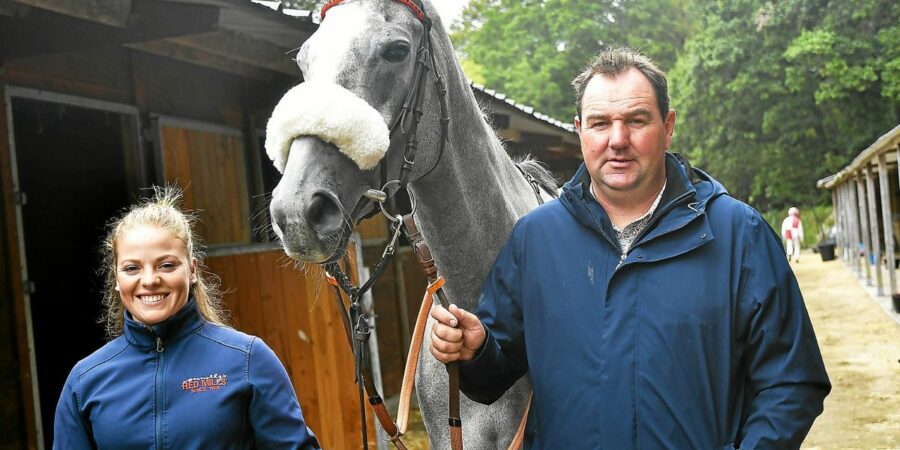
x=212 y=386
x=151 y=250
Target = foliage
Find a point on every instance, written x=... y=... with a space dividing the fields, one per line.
x=531 y=49
x=772 y=96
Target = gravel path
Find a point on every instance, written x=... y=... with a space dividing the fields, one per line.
x=860 y=341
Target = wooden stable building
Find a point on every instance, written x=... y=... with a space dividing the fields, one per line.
x=101 y=99
x=866 y=198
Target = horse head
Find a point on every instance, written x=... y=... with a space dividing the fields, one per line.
x=343 y=131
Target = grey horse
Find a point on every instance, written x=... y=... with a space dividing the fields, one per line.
x=468 y=197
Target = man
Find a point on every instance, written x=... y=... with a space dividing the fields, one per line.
x=650 y=309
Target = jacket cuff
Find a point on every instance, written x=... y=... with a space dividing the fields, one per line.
x=474 y=380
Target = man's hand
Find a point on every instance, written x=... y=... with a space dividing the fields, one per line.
x=451 y=343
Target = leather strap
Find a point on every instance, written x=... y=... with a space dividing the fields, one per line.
x=423 y=253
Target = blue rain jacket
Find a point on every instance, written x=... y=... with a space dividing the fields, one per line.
x=698 y=338
x=181 y=384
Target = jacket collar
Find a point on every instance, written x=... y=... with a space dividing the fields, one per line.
x=185 y=321
x=682 y=201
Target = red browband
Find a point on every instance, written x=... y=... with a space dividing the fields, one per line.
x=415 y=8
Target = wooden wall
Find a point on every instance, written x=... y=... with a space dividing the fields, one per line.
x=210 y=168
x=294 y=312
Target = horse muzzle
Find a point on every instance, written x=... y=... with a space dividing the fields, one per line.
x=312 y=203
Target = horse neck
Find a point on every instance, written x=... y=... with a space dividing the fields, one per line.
x=468 y=205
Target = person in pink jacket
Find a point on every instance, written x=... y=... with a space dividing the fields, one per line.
x=792 y=232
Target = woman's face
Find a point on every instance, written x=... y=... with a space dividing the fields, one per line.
x=153 y=273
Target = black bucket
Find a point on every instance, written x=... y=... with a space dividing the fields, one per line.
x=826 y=250
x=896 y=300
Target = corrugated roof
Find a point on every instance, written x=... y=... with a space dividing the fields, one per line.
x=523 y=107
x=889 y=141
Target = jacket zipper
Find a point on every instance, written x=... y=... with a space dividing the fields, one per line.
x=637 y=240
x=159 y=393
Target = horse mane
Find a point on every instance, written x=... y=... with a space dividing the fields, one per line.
x=528 y=164
x=539 y=172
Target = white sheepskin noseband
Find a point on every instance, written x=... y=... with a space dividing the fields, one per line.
x=331 y=113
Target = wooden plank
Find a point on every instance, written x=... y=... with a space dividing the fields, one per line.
x=247 y=292
x=873 y=225
x=209 y=167
x=223 y=267
x=327 y=374
x=241 y=48
x=887 y=214
x=92 y=74
x=271 y=301
x=864 y=225
x=843 y=224
x=373 y=230
x=201 y=58
x=236 y=186
x=856 y=229
x=202 y=166
x=12 y=258
x=299 y=337
x=42 y=32
x=108 y=12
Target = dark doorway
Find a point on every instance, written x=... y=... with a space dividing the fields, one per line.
x=73 y=167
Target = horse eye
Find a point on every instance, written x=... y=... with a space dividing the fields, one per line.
x=395 y=51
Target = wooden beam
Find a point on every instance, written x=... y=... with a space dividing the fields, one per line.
x=873 y=224
x=14 y=271
x=855 y=233
x=108 y=12
x=846 y=227
x=198 y=57
x=887 y=221
x=864 y=226
x=541 y=140
x=855 y=229
x=41 y=32
x=510 y=134
x=242 y=48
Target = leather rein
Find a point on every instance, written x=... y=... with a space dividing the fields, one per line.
x=355 y=319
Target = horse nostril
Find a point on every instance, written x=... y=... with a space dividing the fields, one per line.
x=279 y=217
x=324 y=214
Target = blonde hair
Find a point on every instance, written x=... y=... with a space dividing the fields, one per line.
x=162 y=211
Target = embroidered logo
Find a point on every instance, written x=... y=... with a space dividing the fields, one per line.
x=202 y=384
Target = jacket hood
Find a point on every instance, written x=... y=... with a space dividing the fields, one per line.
x=685 y=186
x=183 y=322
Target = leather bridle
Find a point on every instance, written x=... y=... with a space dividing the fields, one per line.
x=354 y=318
x=408 y=118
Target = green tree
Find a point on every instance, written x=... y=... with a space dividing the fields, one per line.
x=531 y=49
x=772 y=96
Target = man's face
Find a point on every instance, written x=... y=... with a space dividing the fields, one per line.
x=623 y=135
